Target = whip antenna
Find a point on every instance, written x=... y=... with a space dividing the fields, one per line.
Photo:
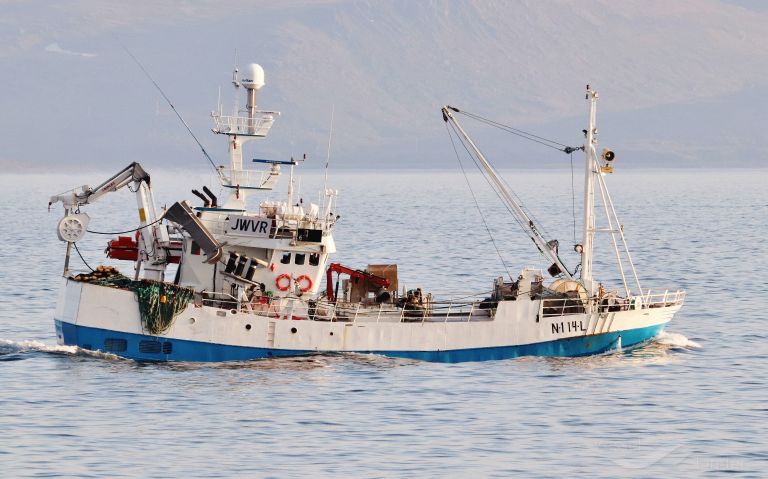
x=328 y=155
x=178 y=115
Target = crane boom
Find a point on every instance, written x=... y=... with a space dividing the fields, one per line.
x=547 y=248
x=153 y=238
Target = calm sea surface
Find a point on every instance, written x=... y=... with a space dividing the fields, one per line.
x=694 y=403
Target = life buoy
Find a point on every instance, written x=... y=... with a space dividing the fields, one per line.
x=283 y=286
x=304 y=278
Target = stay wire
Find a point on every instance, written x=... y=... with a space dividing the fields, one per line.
x=515 y=131
x=477 y=204
x=127 y=231
x=178 y=115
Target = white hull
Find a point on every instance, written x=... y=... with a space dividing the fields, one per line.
x=92 y=316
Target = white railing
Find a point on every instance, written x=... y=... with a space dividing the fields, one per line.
x=561 y=306
x=661 y=300
x=286 y=308
x=249 y=178
x=299 y=309
x=282 y=229
x=220 y=300
x=564 y=306
x=259 y=125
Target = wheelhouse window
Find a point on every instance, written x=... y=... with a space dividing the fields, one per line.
x=314 y=259
x=299 y=258
x=286 y=259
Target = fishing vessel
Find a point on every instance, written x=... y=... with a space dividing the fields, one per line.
x=246 y=283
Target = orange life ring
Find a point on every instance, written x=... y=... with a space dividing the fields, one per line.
x=279 y=282
x=306 y=278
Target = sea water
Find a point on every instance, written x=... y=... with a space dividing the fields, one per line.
x=691 y=403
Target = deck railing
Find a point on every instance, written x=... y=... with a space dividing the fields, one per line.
x=435 y=311
x=565 y=306
x=219 y=300
x=297 y=308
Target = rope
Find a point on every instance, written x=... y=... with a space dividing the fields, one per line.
x=127 y=231
x=477 y=204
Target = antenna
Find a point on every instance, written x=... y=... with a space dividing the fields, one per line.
x=218 y=102
x=178 y=115
x=328 y=156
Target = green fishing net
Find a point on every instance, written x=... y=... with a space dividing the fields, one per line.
x=159 y=303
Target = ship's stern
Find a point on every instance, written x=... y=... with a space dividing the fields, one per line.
x=65 y=317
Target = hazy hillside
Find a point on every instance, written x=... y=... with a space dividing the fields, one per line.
x=681 y=82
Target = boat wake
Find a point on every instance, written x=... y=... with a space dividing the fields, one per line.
x=18 y=350
x=675 y=340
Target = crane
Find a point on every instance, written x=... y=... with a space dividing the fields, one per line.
x=153 y=239
x=356 y=274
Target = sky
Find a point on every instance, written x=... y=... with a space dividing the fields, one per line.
x=682 y=84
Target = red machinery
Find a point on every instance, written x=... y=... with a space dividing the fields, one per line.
x=356 y=275
x=127 y=248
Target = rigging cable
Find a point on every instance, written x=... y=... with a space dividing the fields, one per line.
x=573 y=200
x=528 y=136
x=569 y=150
x=178 y=115
x=523 y=134
x=477 y=204
x=81 y=257
x=127 y=231
x=532 y=226
x=492 y=186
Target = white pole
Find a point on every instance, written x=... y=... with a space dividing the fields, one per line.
x=589 y=194
x=290 y=186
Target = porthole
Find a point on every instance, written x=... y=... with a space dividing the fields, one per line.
x=294 y=330
x=247 y=327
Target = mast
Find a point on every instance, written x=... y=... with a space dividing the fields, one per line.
x=545 y=247
x=242 y=127
x=590 y=171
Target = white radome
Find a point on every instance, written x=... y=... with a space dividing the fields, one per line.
x=253 y=76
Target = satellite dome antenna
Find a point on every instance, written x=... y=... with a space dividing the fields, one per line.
x=253 y=80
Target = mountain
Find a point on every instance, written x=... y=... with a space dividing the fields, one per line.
x=682 y=83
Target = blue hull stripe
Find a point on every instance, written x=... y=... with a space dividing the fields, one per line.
x=136 y=346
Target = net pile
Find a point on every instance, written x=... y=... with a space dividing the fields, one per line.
x=159 y=303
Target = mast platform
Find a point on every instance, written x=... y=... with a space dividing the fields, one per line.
x=243 y=125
